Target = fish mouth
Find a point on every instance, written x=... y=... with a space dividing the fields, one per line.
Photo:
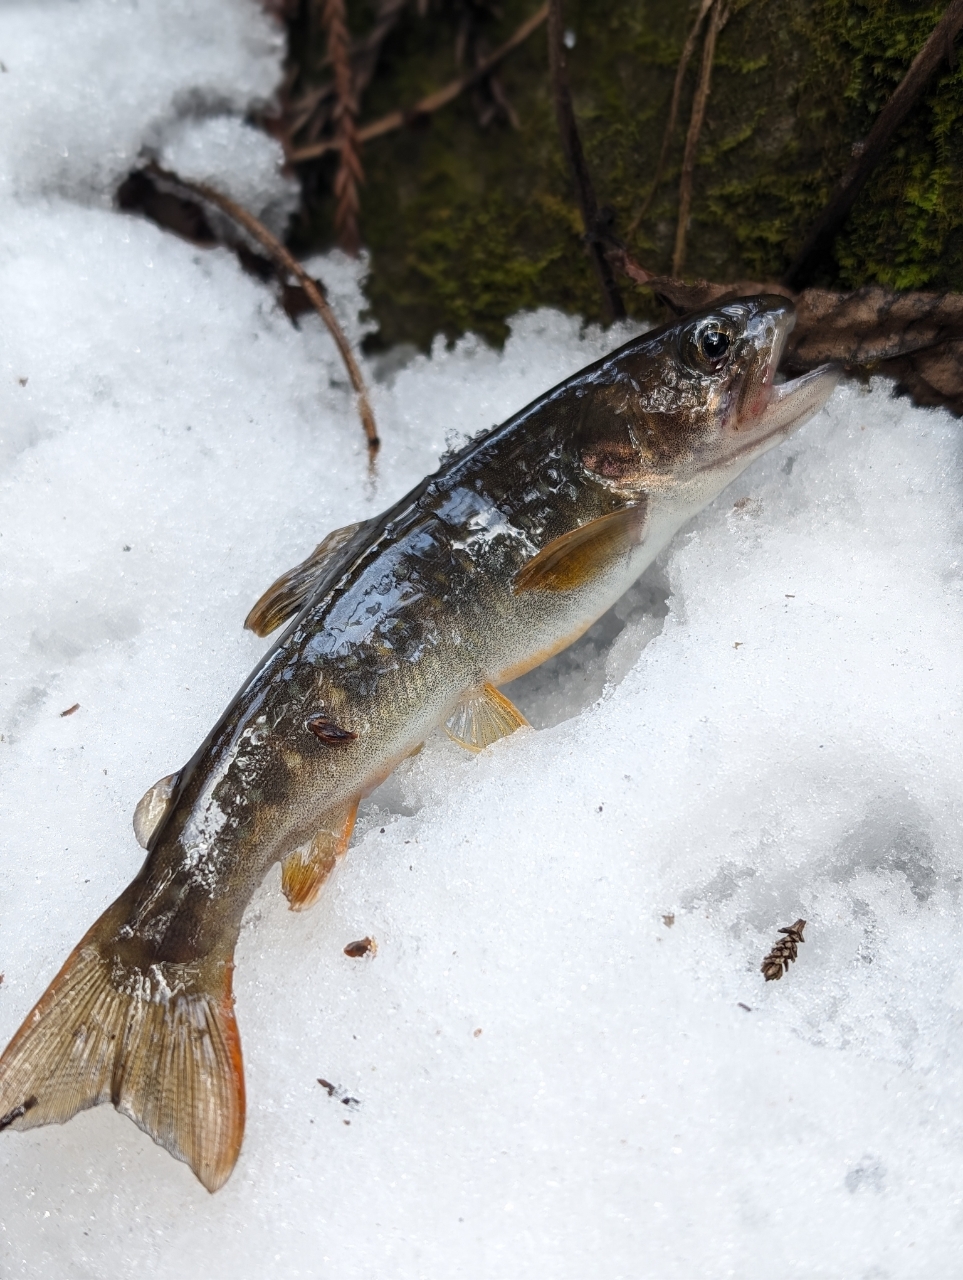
x=768 y=409
x=798 y=398
x=788 y=405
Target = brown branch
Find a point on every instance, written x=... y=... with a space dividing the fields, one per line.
x=287 y=262
x=366 y=51
x=718 y=19
x=681 y=296
x=434 y=101
x=572 y=145
x=350 y=173
x=687 y=52
x=938 y=47
x=312 y=110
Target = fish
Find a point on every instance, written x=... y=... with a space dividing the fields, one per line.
x=393 y=627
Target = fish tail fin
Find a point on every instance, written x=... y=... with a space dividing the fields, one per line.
x=161 y=1044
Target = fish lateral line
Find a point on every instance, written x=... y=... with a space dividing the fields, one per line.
x=571 y=499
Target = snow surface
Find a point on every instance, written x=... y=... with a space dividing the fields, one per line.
x=541 y=1073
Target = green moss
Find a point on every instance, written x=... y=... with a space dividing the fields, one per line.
x=467 y=226
x=905 y=228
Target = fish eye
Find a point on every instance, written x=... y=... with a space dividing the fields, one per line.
x=707 y=346
x=714 y=344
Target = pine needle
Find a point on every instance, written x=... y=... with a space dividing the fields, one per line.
x=313 y=107
x=350 y=173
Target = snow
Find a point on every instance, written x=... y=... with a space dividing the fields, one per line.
x=562 y=1060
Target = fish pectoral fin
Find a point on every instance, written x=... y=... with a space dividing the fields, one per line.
x=304 y=871
x=153 y=807
x=580 y=556
x=285 y=597
x=482 y=717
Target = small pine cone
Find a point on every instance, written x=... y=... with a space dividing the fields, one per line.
x=782 y=955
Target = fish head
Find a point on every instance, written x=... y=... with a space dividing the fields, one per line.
x=695 y=402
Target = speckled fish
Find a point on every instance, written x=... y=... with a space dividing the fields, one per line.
x=398 y=625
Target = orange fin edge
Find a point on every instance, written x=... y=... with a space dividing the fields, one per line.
x=483 y=716
x=161 y=1044
x=304 y=871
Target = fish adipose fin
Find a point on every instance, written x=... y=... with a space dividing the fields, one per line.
x=579 y=557
x=160 y=1043
x=287 y=596
x=305 y=871
x=153 y=807
x=482 y=717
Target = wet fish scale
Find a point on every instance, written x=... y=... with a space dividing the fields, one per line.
x=396 y=626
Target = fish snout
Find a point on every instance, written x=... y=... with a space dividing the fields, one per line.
x=768 y=327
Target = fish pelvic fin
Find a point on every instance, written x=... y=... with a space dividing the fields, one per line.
x=153 y=807
x=287 y=596
x=581 y=555
x=161 y=1044
x=304 y=871
x=482 y=717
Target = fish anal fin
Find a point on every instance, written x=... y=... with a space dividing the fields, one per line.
x=482 y=717
x=582 y=555
x=286 y=596
x=160 y=1042
x=304 y=871
x=153 y=807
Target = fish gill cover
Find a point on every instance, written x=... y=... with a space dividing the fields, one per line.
x=768 y=728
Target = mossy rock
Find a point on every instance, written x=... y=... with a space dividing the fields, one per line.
x=466 y=225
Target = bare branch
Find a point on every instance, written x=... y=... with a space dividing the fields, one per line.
x=718 y=19
x=287 y=262
x=687 y=52
x=311 y=106
x=938 y=47
x=435 y=101
x=572 y=145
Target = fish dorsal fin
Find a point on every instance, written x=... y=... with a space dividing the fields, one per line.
x=152 y=808
x=482 y=717
x=580 y=556
x=285 y=597
x=304 y=871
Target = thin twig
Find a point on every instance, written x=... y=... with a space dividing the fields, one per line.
x=350 y=173
x=365 y=52
x=572 y=145
x=435 y=101
x=821 y=235
x=364 y=55
x=285 y=260
x=718 y=19
x=687 y=52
